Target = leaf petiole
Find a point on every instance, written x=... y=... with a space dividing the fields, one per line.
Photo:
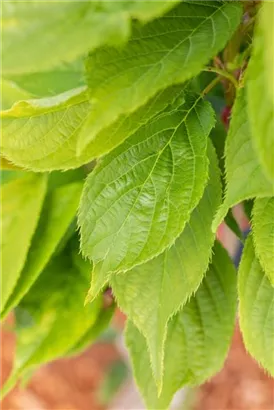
x=222 y=73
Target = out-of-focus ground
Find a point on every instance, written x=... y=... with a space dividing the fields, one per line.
x=72 y=384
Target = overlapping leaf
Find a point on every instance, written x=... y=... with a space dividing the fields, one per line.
x=39 y=35
x=49 y=83
x=22 y=201
x=244 y=176
x=151 y=293
x=256 y=310
x=56 y=317
x=198 y=336
x=263 y=234
x=140 y=196
x=101 y=324
x=261 y=88
x=166 y=51
x=10 y=93
x=59 y=209
x=42 y=134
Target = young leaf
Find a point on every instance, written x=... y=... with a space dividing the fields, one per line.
x=241 y=163
x=58 y=120
x=57 y=316
x=166 y=51
x=198 y=336
x=38 y=36
x=263 y=234
x=140 y=196
x=22 y=201
x=261 y=83
x=59 y=209
x=256 y=310
x=151 y=293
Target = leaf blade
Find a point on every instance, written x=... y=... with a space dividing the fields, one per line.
x=31 y=31
x=56 y=317
x=167 y=51
x=59 y=119
x=59 y=210
x=22 y=201
x=203 y=325
x=263 y=234
x=241 y=159
x=133 y=190
x=256 y=299
x=143 y=293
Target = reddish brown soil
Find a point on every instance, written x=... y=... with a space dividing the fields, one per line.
x=71 y=384
x=241 y=385
x=67 y=384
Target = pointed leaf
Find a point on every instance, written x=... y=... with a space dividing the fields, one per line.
x=58 y=120
x=39 y=35
x=241 y=163
x=57 y=316
x=22 y=201
x=139 y=197
x=144 y=293
x=198 y=336
x=256 y=310
x=57 y=214
x=261 y=83
x=166 y=51
x=263 y=234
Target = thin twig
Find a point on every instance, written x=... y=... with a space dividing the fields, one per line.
x=210 y=86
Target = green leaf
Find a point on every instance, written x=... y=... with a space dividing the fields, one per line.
x=102 y=322
x=260 y=83
x=59 y=209
x=57 y=316
x=198 y=336
x=21 y=202
x=51 y=82
x=244 y=176
x=58 y=120
x=263 y=234
x=166 y=51
x=144 y=293
x=10 y=93
x=37 y=36
x=140 y=196
x=256 y=310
